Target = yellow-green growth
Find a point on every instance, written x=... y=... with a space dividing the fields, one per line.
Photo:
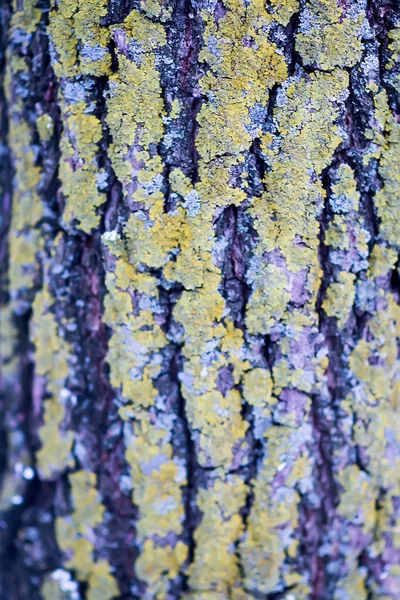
x=375 y=402
x=270 y=532
x=394 y=61
x=134 y=111
x=25 y=240
x=385 y=136
x=331 y=35
x=8 y=343
x=286 y=216
x=80 y=42
x=156 y=565
x=340 y=298
x=75 y=534
x=240 y=76
x=25 y=16
x=387 y=199
x=80 y=175
x=381 y=260
x=45 y=127
x=283 y=10
x=216 y=565
x=157 y=475
x=346 y=233
x=51 y=370
x=286 y=219
x=80 y=47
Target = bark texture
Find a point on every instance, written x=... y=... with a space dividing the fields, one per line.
x=199 y=294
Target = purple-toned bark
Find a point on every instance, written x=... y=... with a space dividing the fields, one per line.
x=199 y=288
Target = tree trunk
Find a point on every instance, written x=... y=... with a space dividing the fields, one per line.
x=199 y=300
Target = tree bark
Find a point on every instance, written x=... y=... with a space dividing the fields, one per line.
x=199 y=292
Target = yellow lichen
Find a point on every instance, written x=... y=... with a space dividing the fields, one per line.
x=257 y=388
x=25 y=16
x=340 y=298
x=8 y=342
x=158 y=476
x=240 y=77
x=283 y=10
x=51 y=356
x=156 y=565
x=345 y=188
x=381 y=260
x=387 y=199
x=285 y=217
x=357 y=502
x=216 y=565
x=274 y=511
x=79 y=40
x=393 y=62
x=79 y=171
x=80 y=48
x=178 y=245
x=333 y=39
x=374 y=403
x=385 y=137
x=75 y=534
x=45 y=127
x=25 y=242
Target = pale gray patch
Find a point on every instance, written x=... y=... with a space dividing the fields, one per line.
x=192 y=203
x=93 y=53
x=74 y=93
x=154 y=185
x=125 y=484
x=153 y=464
x=258 y=115
x=101 y=180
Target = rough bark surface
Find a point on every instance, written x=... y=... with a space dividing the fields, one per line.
x=199 y=294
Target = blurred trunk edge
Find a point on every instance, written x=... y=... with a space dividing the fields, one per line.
x=199 y=288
